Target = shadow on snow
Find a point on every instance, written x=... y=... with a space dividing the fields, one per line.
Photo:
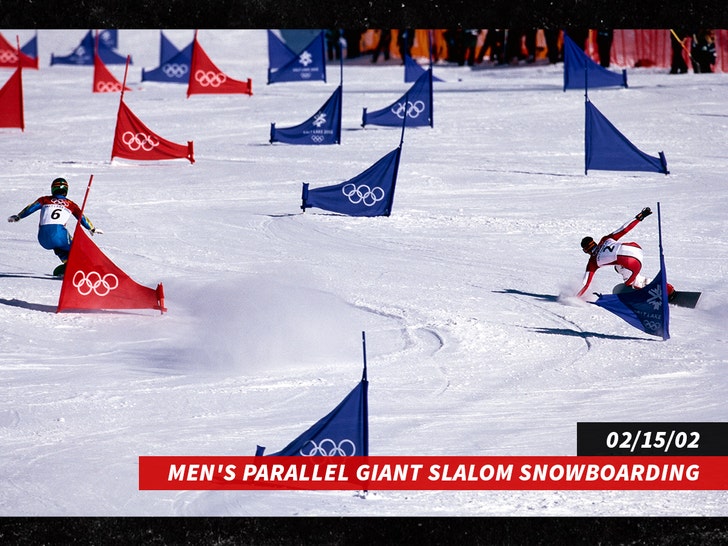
x=566 y=331
x=544 y=297
x=585 y=335
x=31 y=306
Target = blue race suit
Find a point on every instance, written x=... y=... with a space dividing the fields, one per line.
x=55 y=212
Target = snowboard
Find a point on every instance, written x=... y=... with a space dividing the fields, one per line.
x=680 y=298
x=59 y=271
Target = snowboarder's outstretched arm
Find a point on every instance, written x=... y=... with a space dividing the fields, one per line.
x=591 y=268
x=626 y=228
x=27 y=211
x=67 y=203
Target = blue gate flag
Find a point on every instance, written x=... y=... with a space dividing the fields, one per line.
x=285 y=65
x=412 y=70
x=343 y=432
x=370 y=193
x=167 y=49
x=647 y=308
x=31 y=47
x=580 y=69
x=415 y=106
x=607 y=149
x=176 y=66
x=84 y=52
x=324 y=127
x=109 y=37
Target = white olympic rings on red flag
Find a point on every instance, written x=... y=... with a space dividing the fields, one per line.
x=139 y=141
x=8 y=57
x=94 y=282
x=107 y=87
x=208 y=78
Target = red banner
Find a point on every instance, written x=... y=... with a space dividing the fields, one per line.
x=206 y=78
x=93 y=281
x=11 y=102
x=104 y=80
x=432 y=473
x=9 y=56
x=134 y=140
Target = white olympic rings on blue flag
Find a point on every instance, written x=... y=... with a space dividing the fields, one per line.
x=328 y=448
x=363 y=194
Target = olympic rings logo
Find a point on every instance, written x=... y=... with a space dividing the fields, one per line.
x=139 y=141
x=363 y=194
x=107 y=87
x=410 y=109
x=175 y=70
x=318 y=139
x=328 y=448
x=94 y=282
x=210 y=78
x=7 y=56
x=652 y=326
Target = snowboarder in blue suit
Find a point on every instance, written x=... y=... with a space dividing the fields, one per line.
x=55 y=211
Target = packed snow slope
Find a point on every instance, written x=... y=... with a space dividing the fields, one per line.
x=475 y=343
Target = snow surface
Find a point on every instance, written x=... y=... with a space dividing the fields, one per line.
x=475 y=346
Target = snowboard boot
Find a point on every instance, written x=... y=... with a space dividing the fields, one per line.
x=60 y=270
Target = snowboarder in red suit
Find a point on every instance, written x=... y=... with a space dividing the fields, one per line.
x=626 y=257
x=55 y=210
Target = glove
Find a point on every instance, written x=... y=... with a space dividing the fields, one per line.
x=644 y=214
x=94 y=231
x=14 y=218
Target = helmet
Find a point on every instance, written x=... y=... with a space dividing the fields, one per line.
x=59 y=187
x=588 y=244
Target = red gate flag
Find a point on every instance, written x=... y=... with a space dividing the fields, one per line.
x=9 y=56
x=93 y=281
x=11 y=101
x=134 y=140
x=104 y=80
x=206 y=78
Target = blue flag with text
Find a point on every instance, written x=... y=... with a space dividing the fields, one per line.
x=324 y=127
x=286 y=65
x=645 y=309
